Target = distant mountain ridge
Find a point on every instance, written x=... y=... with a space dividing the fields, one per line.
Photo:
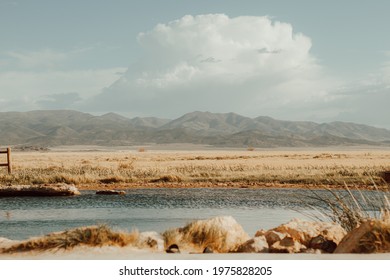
x=65 y=127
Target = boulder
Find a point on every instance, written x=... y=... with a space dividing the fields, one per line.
x=305 y=231
x=39 y=190
x=320 y=243
x=372 y=236
x=260 y=232
x=219 y=234
x=287 y=245
x=272 y=236
x=255 y=245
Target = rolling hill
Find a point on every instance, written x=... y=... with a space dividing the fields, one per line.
x=65 y=127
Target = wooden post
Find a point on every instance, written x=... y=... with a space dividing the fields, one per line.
x=8 y=164
x=9 y=160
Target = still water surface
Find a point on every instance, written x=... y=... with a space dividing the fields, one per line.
x=150 y=209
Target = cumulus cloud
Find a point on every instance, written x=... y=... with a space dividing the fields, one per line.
x=250 y=65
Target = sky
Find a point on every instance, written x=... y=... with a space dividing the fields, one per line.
x=318 y=61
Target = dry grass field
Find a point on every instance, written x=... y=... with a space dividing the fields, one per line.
x=120 y=169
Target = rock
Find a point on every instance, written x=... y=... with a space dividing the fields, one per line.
x=260 y=232
x=220 y=234
x=111 y=192
x=305 y=231
x=372 y=236
x=274 y=236
x=39 y=190
x=173 y=249
x=207 y=250
x=319 y=242
x=255 y=245
x=151 y=240
x=287 y=245
x=271 y=236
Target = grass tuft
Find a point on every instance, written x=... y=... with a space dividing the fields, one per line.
x=95 y=236
x=351 y=208
x=377 y=240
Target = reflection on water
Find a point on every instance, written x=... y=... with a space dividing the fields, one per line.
x=150 y=209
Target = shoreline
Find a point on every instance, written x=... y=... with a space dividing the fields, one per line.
x=292 y=240
x=221 y=185
x=116 y=253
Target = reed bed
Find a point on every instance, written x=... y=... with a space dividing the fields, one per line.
x=350 y=207
x=355 y=168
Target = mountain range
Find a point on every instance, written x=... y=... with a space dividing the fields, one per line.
x=65 y=127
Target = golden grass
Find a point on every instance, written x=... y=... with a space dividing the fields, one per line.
x=377 y=240
x=95 y=236
x=221 y=234
x=351 y=208
x=355 y=168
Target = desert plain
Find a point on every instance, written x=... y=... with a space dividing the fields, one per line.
x=99 y=168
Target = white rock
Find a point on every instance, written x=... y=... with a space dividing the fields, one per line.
x=287 y=245
x=255 y=245
x=304 y=231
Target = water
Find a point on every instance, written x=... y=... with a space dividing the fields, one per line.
x=150 y=209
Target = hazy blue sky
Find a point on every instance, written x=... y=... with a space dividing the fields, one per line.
x=293 y=60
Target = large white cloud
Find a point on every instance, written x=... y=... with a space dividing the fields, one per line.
x=250 y=65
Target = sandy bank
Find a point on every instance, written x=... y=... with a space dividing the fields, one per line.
x=116 y=253
x=227 y=185
x=39 y=190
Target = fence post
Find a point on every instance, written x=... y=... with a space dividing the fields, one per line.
x=8 y=163
x=9 y=160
